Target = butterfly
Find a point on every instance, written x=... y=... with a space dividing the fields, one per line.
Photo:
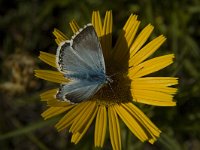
x=81 y=60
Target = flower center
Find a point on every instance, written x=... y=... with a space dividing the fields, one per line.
x=117 y=89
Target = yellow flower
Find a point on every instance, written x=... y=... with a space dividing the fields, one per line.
x=126 y=61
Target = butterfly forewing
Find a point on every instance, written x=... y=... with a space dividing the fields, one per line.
x=86 y=43
x=85 y=48
x=70 y=62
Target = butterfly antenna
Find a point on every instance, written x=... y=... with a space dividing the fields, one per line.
x=114 y=74
x=112 y=90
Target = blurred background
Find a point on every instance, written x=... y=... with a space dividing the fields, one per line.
x=26 y=28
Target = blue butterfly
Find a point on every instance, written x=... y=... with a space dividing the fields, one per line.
x=81 y=60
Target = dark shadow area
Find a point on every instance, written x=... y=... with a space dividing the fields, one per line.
x=119 y=90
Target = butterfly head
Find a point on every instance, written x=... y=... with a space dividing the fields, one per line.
x=108 y=80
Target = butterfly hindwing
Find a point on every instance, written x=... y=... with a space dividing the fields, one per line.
x=77 y=91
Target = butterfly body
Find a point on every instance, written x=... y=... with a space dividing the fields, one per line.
x=98 y=78
x=81 y=60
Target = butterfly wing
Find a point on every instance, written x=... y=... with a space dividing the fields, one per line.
x=81 y=58
x=77 y=91
x=82 y=54
x=69 y=61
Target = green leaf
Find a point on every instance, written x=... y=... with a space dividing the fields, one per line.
x=168 y=142
x=28 y=129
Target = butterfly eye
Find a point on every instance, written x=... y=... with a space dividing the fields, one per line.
x=109 y=80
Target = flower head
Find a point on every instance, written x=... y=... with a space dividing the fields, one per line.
x=127 y=65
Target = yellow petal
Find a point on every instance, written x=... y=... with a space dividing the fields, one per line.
x=78 y=135
x=74 y=26
x=83 y=117
x=143 y=120
x=48 y=58
x=60 y=37
x=160 y=81
x=125 y=39
x=53 y=111
x=114 y=128
x=100 y=126
x=68 y=119
x=150 y=66
x=159 y=84
x=106 y=39
x=141 y=39
x=53 y=76
x=152 y=97
x=131 y=123
x=167 y=90
x=50 y=97
x=57 y=103
x=146 y=51
x=96 y=21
